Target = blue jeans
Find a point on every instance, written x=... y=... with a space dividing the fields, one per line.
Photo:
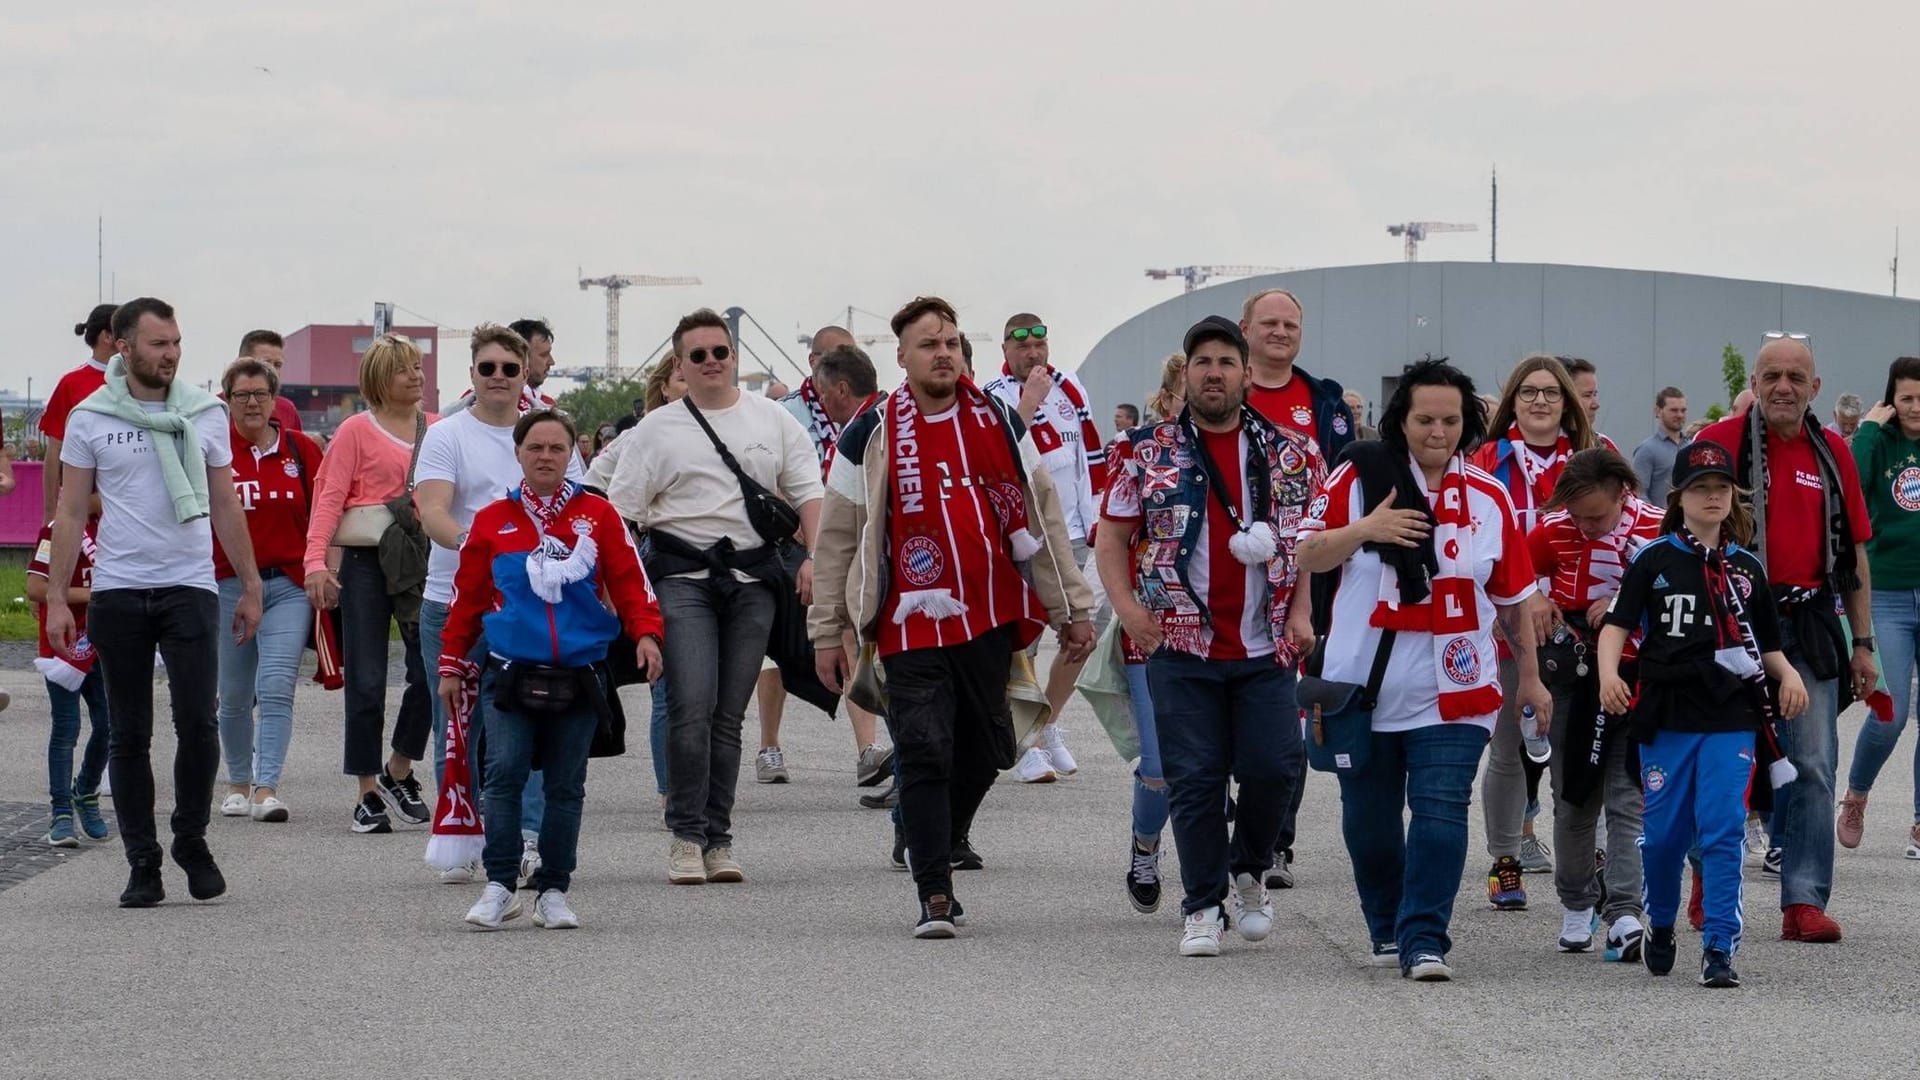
x=1408 y=872
x=1896 y=627
x=1217 y=718
x=64 y=704
x=1696 y=787
x=1149 y=803
x=433 y=629
x=563 y=740
x=1803 y=810
x=263 y=672
x=657 y=731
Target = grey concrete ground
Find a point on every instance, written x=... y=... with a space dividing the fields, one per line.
x=334 y=954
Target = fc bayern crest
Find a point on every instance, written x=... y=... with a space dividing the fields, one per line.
x=1302 y=417
x=921 y=561
x=1339 y=425
x=1461 y=662
x=1004 y=497
x=82 y=650
x=582 y=527
x=290 y=467
x=1656 y=779
x=1906 y=489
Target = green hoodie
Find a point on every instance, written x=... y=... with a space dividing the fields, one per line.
x=1889 y=465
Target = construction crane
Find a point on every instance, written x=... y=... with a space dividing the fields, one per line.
x=1196 y=276
x=1416 y=231
x=615 y=284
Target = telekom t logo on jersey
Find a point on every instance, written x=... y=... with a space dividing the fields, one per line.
x=1679 y=614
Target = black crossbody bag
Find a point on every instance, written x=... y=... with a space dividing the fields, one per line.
x=769 y=514
x=1340 y=714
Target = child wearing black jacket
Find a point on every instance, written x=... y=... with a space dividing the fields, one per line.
x=1710 y=640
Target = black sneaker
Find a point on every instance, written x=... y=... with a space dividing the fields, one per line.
x=204 y=880
x=1770 y=865
x=1143 y=878
x=370 y=815
x=936 y=917
x=1505 y=890
x=1716 y=970
x=1280 y=875
x=402 y=796
x=964 y=857
x=1658 y=950
x=144 y=888
x=885 y=800
x=1384 y=954
x=898 y=860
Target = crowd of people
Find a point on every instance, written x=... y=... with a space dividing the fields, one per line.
x=1265 y=583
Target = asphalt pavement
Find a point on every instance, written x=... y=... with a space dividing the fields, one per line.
x=334 y=954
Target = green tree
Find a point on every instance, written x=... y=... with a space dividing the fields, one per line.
x=1715 y=411
x=1733 y=371
x=601 y=401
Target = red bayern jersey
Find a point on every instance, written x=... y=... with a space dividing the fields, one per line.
x=72 y=389
x=1579 y=571
x=276 y=492
x=1290 y=406
x=1796 y=501
x=41 y=565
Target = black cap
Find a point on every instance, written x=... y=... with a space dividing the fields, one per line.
x=1215 y=328
x=1698 y=459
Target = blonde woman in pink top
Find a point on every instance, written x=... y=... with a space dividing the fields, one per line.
x=365 y=467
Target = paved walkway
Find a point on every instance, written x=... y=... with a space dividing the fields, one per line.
x=337 y=955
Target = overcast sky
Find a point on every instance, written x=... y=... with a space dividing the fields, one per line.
x=463 y=159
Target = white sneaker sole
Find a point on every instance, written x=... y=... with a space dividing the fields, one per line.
x=939 y=929
x=1047 y=777
x=557 y=924
x=512 y=912
x=393 y=807
x=275 y=814
x=1201 y=947
x=228 y=810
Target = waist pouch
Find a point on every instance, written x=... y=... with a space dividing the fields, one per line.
x=537 y=688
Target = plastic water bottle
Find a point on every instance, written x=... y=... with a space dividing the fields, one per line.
x=1538 y=748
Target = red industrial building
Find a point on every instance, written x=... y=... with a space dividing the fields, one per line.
x=322 y=372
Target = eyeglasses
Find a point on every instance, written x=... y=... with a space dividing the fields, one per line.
x=251 y=395
x=1788 y=335
x=1022 y=333
x=1548 y=394
x=508 y=368
x=720 y=353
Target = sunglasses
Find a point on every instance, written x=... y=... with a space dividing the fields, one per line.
x=1022 y=333
x=720 y=352
x=1787 y=335
x=507 y=368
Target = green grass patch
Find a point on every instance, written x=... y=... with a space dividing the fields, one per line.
x=17 y=622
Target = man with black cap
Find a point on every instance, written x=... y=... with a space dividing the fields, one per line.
x=1196 y=548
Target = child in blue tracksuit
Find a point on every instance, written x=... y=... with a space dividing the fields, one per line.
x=1710 y=640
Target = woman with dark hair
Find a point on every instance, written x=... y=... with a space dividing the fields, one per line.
x=1537 y=426
x=1429 y=556
x=1886 y=450
x=1596 y=523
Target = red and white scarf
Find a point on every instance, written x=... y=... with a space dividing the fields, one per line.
x=927 y=558
x=551 y=565
x=1451 y=614
x=826 y=456
x=458 y=837
x=820 y=425
x=1533 y=476
x=1048 y=439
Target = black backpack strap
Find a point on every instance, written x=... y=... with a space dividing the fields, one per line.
x=1371 y=695
x=726 y=455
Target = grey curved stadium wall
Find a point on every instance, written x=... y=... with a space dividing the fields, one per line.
x=1643 y=329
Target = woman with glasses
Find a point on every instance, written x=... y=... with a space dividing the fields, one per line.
x=365 y=467
x=273 y=471
x=1537 y=425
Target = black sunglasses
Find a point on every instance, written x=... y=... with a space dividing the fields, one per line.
x=507 y=367
x=699 y=356
x=1022 y=333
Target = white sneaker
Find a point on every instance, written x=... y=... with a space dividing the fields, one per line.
x=1054 y=742
x=1756 y=841
x=495 y=906
x=1201 y=935
x=464 y=874
x=234 y=805
x=550 y=911
x=269 y=809
x=1254 y=909
x=1036 y=767
x=1576 y=930
x=529 y=860
x=770 y=766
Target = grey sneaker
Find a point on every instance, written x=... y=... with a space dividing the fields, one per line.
x=874 y=765
x=1535 y=856
x=770 y=766
x=719 y=865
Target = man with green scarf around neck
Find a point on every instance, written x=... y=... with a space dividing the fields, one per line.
x=159 y=454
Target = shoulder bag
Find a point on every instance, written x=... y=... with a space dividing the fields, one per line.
x=403 y=546
x=771 y=517
x=1340 y=714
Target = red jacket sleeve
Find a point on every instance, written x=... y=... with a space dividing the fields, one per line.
x=474 y=592
x=624 y=577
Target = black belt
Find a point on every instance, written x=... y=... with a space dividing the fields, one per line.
x=272 y=572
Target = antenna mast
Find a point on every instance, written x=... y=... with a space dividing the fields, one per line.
x=1493 y=254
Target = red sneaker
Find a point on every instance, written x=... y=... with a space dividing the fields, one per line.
x=1696 y=909
x=1804 y=922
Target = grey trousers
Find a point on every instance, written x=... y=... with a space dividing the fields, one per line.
x=716 y=633
x=1503 y=790
x=1574 y=829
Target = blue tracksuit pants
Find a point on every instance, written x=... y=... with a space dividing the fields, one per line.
x=1696 y=786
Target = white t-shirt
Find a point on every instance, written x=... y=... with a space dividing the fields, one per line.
x=670 y=477
x=140 y=544
x=477 y=459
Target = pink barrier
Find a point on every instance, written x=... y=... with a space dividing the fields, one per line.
x=20 y=519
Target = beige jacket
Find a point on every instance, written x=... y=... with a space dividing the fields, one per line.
x=849 y=582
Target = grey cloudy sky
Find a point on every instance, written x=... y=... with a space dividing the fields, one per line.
x=462 y=159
